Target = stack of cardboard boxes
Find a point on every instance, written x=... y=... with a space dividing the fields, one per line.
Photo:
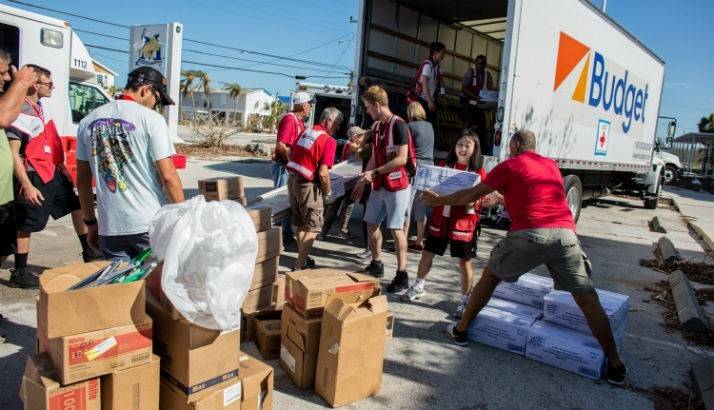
x=334 y=327
x=218 y=189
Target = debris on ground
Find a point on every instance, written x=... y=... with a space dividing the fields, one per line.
x=670 y=398
x=705 y=295
x=197 y=151
x=700 y=272
x=662 y=294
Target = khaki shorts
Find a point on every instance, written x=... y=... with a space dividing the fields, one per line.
x=306 y=204
x=557 y=248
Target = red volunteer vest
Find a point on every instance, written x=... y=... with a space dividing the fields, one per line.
x=459 y=225
x=305 y=154
x=43 y=151
x=384 y=151
x=476 y=86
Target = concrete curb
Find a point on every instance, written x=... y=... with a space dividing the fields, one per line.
x=708 y=240
x=656 y=225
x=666 y=251
x=690 y=313
x=703 y=375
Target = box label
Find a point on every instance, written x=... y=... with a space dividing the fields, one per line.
x=231 y=394
x=97 y=350
x=287 y=358
x=84 y=350
x=189 y=390
x=74 y=399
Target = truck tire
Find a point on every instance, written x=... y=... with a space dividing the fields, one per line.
x=652 y=202
x=573 y=195
x=670 y=174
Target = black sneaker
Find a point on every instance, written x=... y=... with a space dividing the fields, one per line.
x=309 y=263
x=376 y=269
x=23 y=278
x=399 y=283
x=458 y=337
x=290 y=245
x=616 y=375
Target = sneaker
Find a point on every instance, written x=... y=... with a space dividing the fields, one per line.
x=616 y=375
x=376 y=269
x=458 y=337
x=23 y=278
x=345 y=235
x=399 y=283
x=459 y=313
x=415 y=292
x=309 y=263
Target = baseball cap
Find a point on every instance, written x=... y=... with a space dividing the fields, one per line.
x=302 y=97
x=355 y=131
x=151 y=76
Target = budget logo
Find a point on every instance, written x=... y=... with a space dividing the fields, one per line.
x=602 y=83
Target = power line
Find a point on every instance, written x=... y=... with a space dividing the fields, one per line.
x=308 y=49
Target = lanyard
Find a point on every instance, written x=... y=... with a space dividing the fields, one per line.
x=37 y=108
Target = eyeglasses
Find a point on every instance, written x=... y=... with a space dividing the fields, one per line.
x=49 y=84
x=157 y=97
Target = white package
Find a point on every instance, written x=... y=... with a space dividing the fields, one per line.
x=529 y=290
x=501 y=329
x=513 y=307
x=209 y=251
x=560 y=308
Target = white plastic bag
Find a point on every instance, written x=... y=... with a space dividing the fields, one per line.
x=209 y=251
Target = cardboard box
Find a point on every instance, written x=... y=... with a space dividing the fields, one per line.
x=196 y=360
x=262 y=218
x=41 y=389
x=529 y=290
x=256 y=378
x=136 y=388
x=501 y=329
x=560 y=308
x=218 y=189
x=258 y=299
x=270 y=244
x=265 y=273
x=225 y=398
x=390 y=326
x=299 y=346
x=65 y=312
x=267 y=338
x=87 y=355
x=279 y=291
x=308 y=291
x=248 y=319
x=514 y=307
x=349 y=366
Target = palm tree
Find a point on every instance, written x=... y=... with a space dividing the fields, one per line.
x=706 y=124
x=206 y=86
x=189 y=76
x=234 y=90
x=275 y=109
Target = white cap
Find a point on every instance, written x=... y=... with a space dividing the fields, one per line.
x=302 y=97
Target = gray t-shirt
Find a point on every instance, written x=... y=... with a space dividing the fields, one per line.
x=122 y=140
x=423 y=137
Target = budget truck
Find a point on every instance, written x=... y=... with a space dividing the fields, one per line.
x=588 y=89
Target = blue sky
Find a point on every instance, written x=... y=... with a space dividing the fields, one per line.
x=681 y=33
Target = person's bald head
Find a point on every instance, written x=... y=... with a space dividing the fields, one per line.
x=522 y=141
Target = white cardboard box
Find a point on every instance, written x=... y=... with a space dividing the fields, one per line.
x=529 y=290
x=560 y=308
x=513 y=307
x=337 y=185
x=501 y=329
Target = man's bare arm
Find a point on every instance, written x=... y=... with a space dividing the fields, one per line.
x=170 y=180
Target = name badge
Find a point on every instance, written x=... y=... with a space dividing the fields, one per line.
x=394 y=175
x=48 y=150
x=473 y=102
x=442 y=90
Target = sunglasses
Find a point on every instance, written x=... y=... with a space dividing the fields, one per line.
x=49 y=84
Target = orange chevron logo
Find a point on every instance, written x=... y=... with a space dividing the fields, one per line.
x=570 y=53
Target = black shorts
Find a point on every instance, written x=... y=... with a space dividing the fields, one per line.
x=60 y=200
x=459 y=249
x=8 y=233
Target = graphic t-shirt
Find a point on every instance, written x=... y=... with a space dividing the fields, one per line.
x=6 y=194
x=122 y=140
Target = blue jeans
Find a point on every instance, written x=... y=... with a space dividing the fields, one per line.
x=280 y=179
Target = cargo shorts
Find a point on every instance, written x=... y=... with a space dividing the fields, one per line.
x=306 y=203
x=558 y=248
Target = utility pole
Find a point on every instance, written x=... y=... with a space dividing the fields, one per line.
x=604 y=6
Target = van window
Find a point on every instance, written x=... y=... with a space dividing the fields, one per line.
x=83 y=99
x=10 y=41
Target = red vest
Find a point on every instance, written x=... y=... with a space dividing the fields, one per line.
x=43 y=151
x=305 y=154
x=384 y=151
x=458 y=224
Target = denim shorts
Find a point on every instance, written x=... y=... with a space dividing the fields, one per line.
x=558 y=248
x=392 y=205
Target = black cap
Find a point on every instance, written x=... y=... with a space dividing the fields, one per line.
x=151 y=76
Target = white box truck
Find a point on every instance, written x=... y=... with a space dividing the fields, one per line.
x=588 y=89
x=326 y=95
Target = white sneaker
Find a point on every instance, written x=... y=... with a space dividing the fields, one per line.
x=413 y=293
x=459 y=310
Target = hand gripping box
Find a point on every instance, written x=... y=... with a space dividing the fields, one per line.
x=41 y=389
x=560 y=308
x=501 y=329
x=529 y=290
x=308 y=291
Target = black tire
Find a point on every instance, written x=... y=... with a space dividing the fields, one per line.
x=651 y=203
x=670 y=174
x=573 y=195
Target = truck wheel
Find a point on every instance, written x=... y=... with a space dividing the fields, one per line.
x=573 y=194
x=670 y=174
x=652 y=202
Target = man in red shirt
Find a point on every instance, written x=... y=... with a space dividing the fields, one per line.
x=542 y=232
x=311 y=158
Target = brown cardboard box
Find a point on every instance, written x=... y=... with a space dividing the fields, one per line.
x=257 y=380
x=41 y=389
x=248 y=319
x=258 y=299
x=194 y=359
x=265 y=273
x=349 y=367
x=299 y=345
x=218 y=189
x=279 y=291
x=64 y=313
x=267 y=338
x=308 y=291
x=87 y=355
x=225 y=398
x=262 y=218
x=270 y=244
x=136 y=388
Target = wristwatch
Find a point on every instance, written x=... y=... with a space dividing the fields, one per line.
x=376 y=172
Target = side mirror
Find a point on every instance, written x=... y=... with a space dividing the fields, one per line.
x=671 y=129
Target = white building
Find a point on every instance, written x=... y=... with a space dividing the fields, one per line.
x=250 y=101
x=105 y=75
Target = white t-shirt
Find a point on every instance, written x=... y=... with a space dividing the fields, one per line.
x=429 y=72
x=122 y=140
